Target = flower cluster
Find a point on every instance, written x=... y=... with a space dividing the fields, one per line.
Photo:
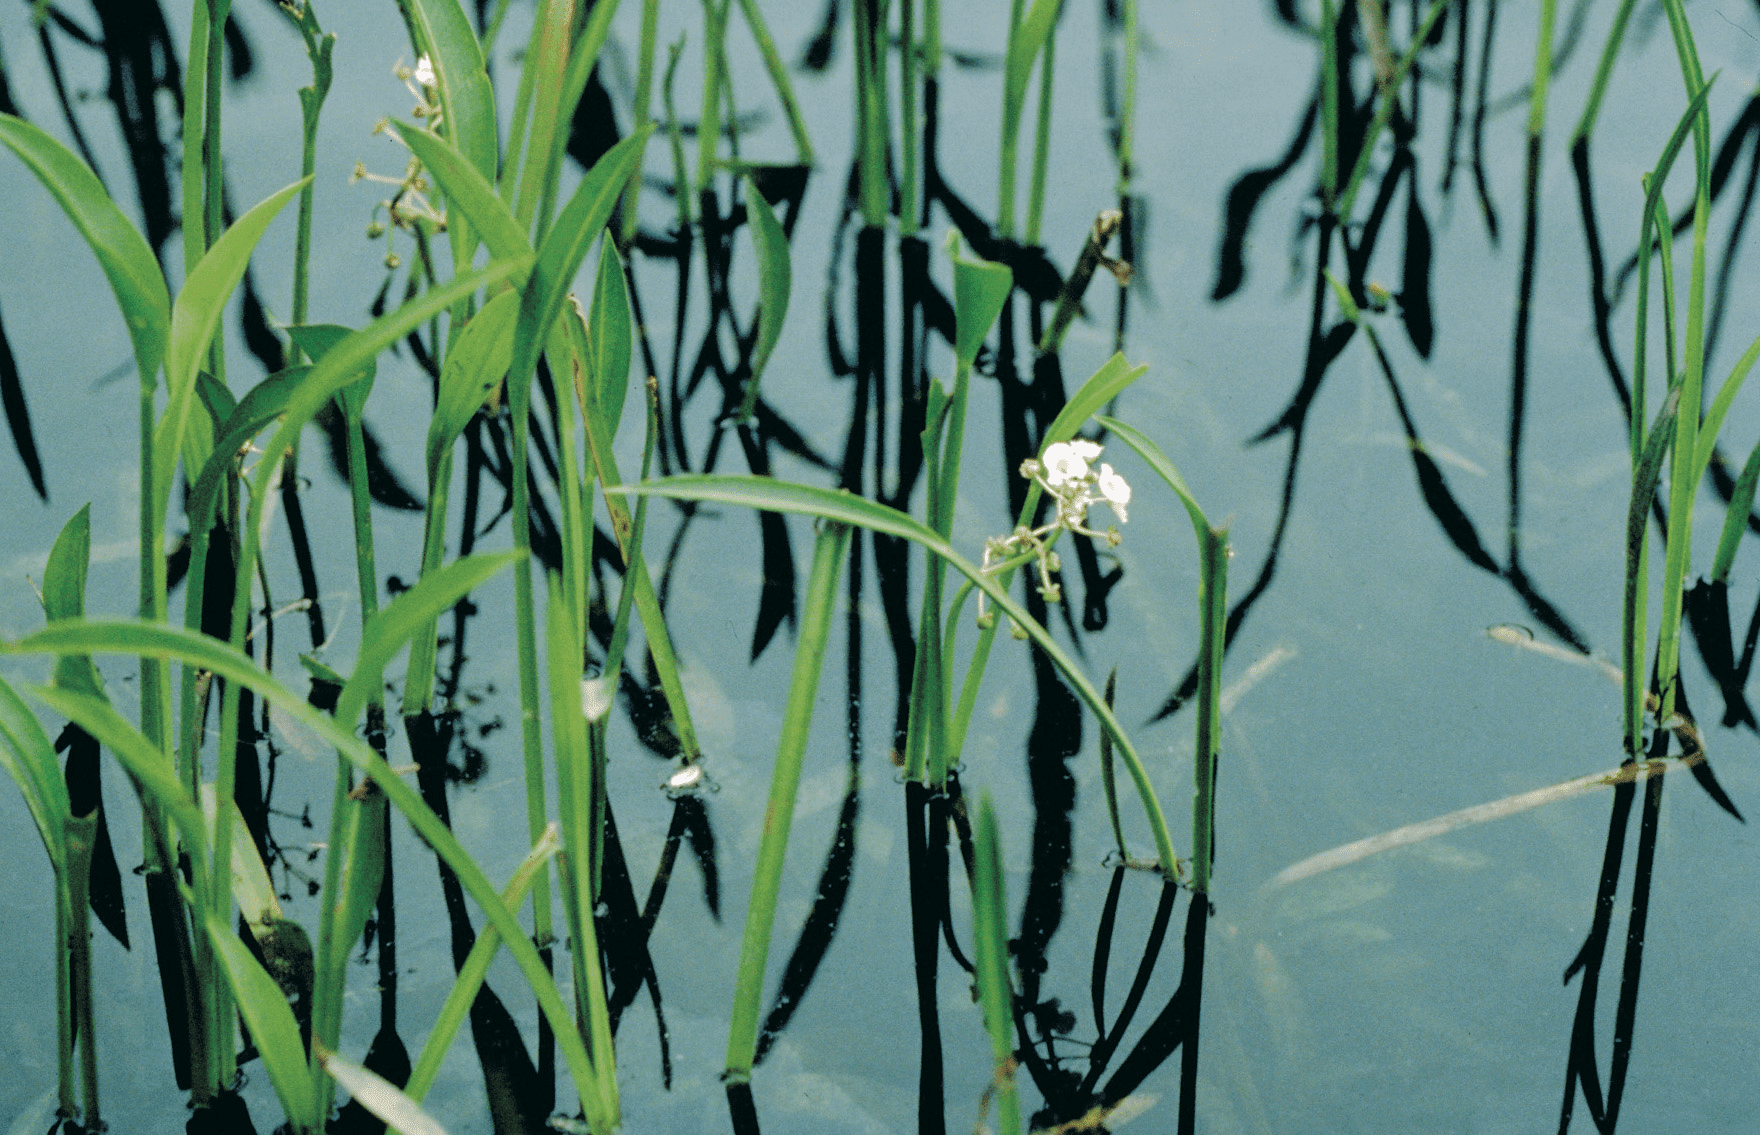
x=1067 y=472
x=408 y=208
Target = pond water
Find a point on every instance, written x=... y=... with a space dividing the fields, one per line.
x=1416 y=990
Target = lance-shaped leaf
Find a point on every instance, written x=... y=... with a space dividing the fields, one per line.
x=122 y=252
x=563 y=249
x=467 y=102
x=474 y=368
x=194 y=319
x=272 y=1026
x=392 y=627
x=980 y=288
x=29 y=759
x=774 y=285
x=316 y=339
x=467 y=191
x=610 y=341
x=160 y=641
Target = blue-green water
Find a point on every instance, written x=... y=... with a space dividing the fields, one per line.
x=1419 y=990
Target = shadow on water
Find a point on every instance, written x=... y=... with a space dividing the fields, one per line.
x=1083 y=1076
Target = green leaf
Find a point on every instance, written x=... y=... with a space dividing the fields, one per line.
x=474 y=367
x=343 y=362
x=194 y=319
x=829 y=550
x=1024 y=46
x=147 y=766
x=1107 y=383
x=64 y=595
x=29 y=760
x=1735 y=520
x=467 y=102
x=64 y=579
x=122 y=252
x=1712 y=425
x=1633 y=629
x=565 y=246
x=257 y=901
x=362 y=848
x=272 y=1026
x=157 y=640
x=574 y=764
x=380 y=1096
x=612 y=340
x=386 y=634
x=769 y=494
x=316 y=339
x=980 y=288
x=261 y=405
x=1164 y=468
x=990 y=947
x=468 y=192
x=774 y=284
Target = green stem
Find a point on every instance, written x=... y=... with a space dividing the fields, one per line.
x=1213 y=626
x=1041 y=141
x=778 y=70
x=475 y=969
x=791 y=751
x=1603 y=71
x=910 y=141
x=643 y=103
x=709 y=123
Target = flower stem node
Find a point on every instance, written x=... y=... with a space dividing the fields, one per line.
x=1067 y=472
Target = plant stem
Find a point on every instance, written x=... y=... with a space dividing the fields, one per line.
x=797 y=720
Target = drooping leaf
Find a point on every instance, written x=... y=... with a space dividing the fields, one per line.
x=158 y=640
x=1163 y=467
x=847 y=508
x=122 y=252
x=146 y=764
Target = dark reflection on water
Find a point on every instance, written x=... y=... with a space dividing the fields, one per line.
x=1074 y=1065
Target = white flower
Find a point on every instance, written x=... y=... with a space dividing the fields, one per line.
x=424 y=72
x=1085 y=449
x=1116 y=491
x=1065 y=463
x=596 y=694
